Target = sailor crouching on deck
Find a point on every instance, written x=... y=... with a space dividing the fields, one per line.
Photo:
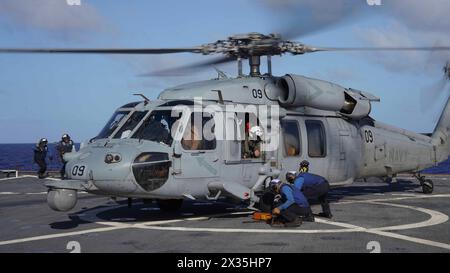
x=314 y=187
x=293 y=204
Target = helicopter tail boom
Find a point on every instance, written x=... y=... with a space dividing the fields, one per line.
x=441 y=134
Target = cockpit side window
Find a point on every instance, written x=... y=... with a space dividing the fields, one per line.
x=199 y=135
x=112 y=124
x=130 y=124
x=157 y=127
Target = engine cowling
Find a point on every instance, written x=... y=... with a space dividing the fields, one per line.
x=298 y=91
x=356 y=105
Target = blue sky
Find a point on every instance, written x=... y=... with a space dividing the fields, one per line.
x=48 y=95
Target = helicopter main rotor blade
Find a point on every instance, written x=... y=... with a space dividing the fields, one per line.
x=182 y=70
x=102 y=50
x=436 y=48
x=431 y=95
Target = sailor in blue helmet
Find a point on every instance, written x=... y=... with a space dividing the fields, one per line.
x=313 y=187
x=64 y=146
x=293 y=204
x=40 y=155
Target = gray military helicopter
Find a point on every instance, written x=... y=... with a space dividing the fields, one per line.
x=260 y=126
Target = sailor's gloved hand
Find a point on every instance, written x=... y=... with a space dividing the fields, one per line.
x=277 y=198
x=276 y=211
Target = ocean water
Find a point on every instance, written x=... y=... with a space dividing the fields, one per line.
x=20 y=157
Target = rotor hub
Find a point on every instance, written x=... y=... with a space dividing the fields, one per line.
x=253 y=44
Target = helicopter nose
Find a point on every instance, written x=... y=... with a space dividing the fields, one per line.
x=99 y=166
x=108 y=169
x=123 y=167
x=126 y=173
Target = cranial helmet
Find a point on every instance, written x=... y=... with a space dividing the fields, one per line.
x=304 y=166
x=256 y=131
x=274 y=183
x=290 y=176
x=304 y=163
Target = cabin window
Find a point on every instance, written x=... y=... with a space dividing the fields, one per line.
x=199 y=133
x=316 y=138
x=291 y=137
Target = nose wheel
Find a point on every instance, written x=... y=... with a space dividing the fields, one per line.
x=427 y=184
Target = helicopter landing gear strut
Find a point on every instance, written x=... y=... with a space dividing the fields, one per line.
x=427 y=184
x=390 y=179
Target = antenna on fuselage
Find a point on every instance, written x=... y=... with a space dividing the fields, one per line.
x=146 y=100
x=220 y=74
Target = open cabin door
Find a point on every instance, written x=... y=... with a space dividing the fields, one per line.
x=243 y=155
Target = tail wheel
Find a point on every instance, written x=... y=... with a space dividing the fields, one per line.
x=427 y=186
x=170 y=204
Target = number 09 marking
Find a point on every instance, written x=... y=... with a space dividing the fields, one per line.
x=368 y=136
x=257 y=93
x=78 y=170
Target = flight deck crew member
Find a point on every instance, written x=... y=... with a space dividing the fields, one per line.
x=40 y=155
x=293 y=204
x=64 y=146
x=313 y=187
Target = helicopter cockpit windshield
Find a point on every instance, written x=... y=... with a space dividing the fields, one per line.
x=112 y=124
x=157 y=127
x=130 y=124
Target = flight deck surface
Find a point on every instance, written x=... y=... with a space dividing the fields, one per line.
x=368 y=216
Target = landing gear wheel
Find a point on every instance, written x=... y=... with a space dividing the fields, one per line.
x=427 y=186
x=170 y=204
